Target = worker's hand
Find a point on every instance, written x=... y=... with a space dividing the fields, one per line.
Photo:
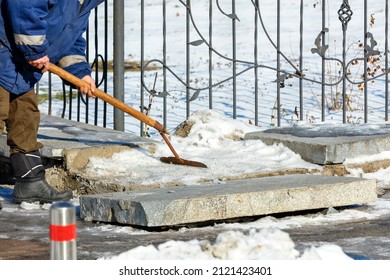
x=90 y=89
x=41 y=63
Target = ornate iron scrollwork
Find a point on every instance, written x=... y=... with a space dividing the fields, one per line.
x=345 y=14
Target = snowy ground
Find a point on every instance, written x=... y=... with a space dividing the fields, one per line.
x=213 y=140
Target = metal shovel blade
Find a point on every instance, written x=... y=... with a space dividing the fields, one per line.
x=180 y=161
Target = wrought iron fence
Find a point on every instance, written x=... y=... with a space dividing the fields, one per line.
x=312 y=60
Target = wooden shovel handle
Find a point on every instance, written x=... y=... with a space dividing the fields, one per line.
x=108 y=98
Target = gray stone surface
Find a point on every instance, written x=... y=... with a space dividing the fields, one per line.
x=328 y=144
x=230 y=199
x=75 y=143
x=59 y=135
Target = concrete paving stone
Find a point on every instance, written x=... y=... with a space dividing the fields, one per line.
x=328 y=144
x=230 y=199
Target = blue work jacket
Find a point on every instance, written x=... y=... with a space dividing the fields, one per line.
x=31 y=29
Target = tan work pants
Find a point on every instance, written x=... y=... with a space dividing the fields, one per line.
x=21 y=117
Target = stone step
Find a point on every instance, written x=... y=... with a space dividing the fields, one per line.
x=327 y=143
x=227 y=200
x=60 y=136
x=74 y=143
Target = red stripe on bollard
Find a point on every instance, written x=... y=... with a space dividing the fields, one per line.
x=62 y=233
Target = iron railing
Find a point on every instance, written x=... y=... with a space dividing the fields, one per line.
x=312 y=60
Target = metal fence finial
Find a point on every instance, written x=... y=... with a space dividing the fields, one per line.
x=345 y=14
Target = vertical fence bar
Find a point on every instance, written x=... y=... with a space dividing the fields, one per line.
x=50 y=94
x=365 y=63
x=234 y=60
x=301 y=61
x=96 y=65
x=344 y=75
x=165 y=61
x=105 y=62
x=278 y=63
x=79 y=96
x=86 y=105
x=63 y=101
x=323 y=93
x=119 y=33
x=70 y=102
x=387 y=60
x=344 y=17
x=188 y=61
x=78 y=106
x=256 y=69
x=142 y=90
x=210 y=54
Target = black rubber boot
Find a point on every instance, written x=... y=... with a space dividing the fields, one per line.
x=30 y=182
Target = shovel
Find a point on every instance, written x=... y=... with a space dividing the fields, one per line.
x=131 y=111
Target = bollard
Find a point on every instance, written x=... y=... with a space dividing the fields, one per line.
x=63 y=231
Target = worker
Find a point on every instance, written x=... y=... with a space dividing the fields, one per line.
x=34 y=33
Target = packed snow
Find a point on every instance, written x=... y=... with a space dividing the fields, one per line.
x=214 y=140
x=264 y=244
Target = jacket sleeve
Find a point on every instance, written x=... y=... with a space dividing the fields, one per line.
x=27 y=18
x=74 y=60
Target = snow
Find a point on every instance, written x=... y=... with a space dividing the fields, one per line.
x=212 y=140
x=216 y=140
x=266 y=244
